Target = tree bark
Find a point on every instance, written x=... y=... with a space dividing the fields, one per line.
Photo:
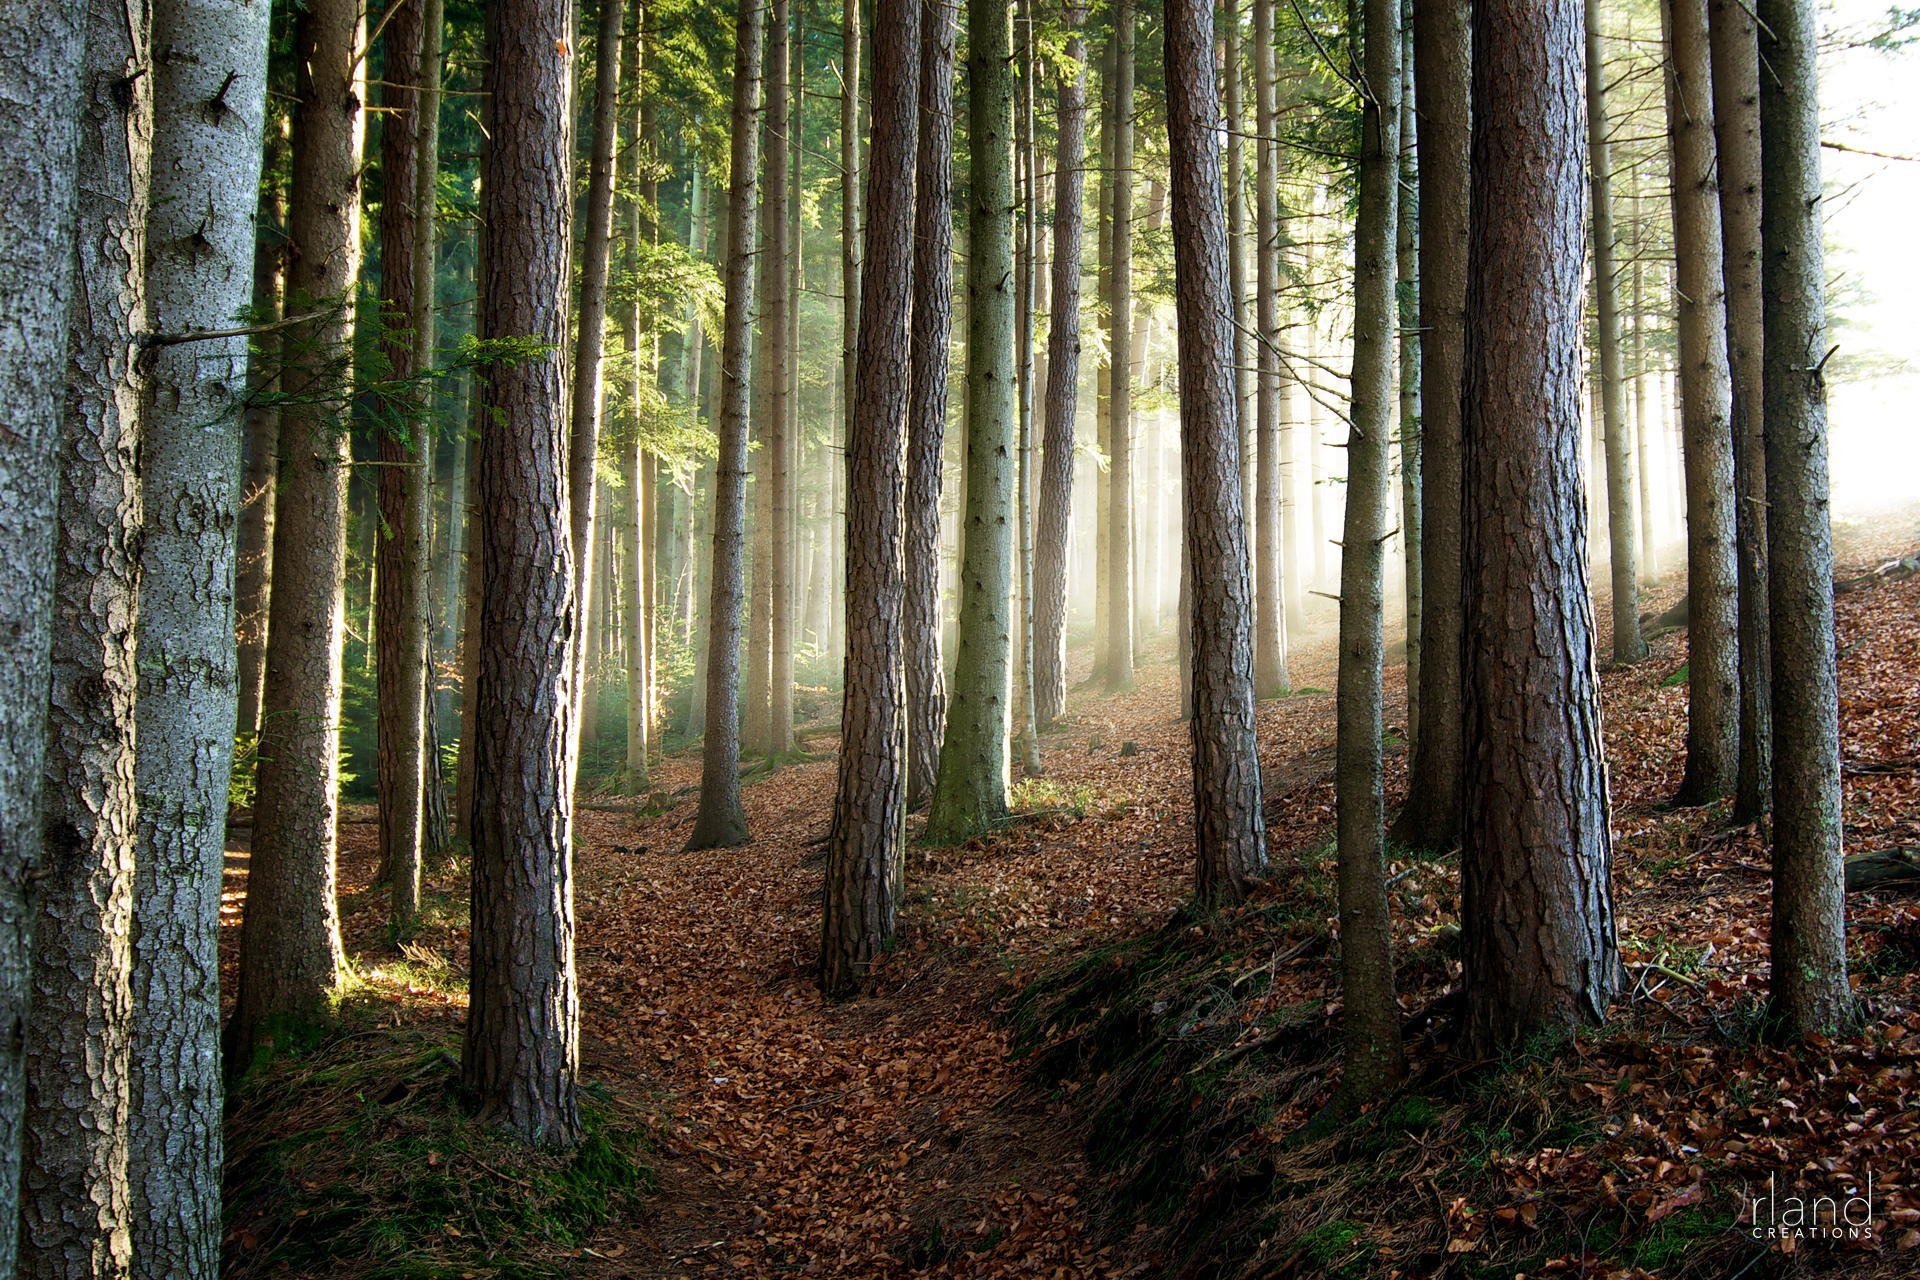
x=1713 y=648
x=850 y=173
x=1027 y=316
x=721 y=821
x=522 y=1048
x=1537 y=908
x=970 y=794
x=1118 y=670
x=1407 y=295
x=633 y=574
x=1232 y=57
x=74 y=1209
x=777 y=323
x=290 y=955
x=1442 y=71
x=865 y=855
x=1055 y=524
x=932 y=320
x=254 y=567
x=1271 y=678
x=1809 y=953
x=1229 y=831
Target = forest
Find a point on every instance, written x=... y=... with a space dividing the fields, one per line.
x=959 y=638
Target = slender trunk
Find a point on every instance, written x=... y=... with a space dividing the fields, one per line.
x=721 y=821
x=470 y=609
x=633 y=577
x=1644 y=426
x=1240 y=304
x=932 y=321
x=291 y=960
x=1027 y=317
x=1536 y=906
x=1103 y=374
x=1271 y=678
x=1407 y=293
x=970 y=794
x=254 y=566
x=782 y=250
x=1229 y=832
x=1119 y=617
x=850 y=173
x=1809 y=946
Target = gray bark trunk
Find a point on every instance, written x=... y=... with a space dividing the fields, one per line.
x=253 y=584
x=1118 y=669
x=1271 y=677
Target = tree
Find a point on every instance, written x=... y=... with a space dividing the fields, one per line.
x=850 y=171
x=522 y=1050
x=970 y=794
x=1407 y=309
x=1441 y=55
x=1623 y=537
x=1063 y=377
x=633 y=577
x=1118 y=633
x=1374 y=1058
x=1706 y=412
x=290 y=956
x=1537 y=909
x=861 y=896
x=932 y=278
x=42 y=84
x=74 y=1208
x=1271 y=677
x=1229 y=830
x=776 y=323
x=1809 y=946
x=721 y=822
x=253 y=584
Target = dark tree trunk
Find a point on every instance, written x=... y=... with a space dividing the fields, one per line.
x=633 y=575
x=932 y=295
x=1229 y=832
x=865 y=858
x=1809 y=946
x=721 y=822
x=850 y=170
x=776 y=323
x=1271 y=677
x=522 y=1050
x=1118 y=667
x=253 y=587
x=1537 y=906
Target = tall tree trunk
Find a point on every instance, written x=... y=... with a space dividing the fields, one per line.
x=777 y=322
x=435 y=832
x=253 y=585
x=721 y=822
x=1431 y=818
x=1706 y=391
x=1119 y=617
x=1644 y=427
x=42 y=89
x=1809 y=948
x=522 y=1049
x=1103 y=372
x=970 y=794
x=1407 y=294
x=1055 y=524
x=400 y=550
x=633 y=575
x=1623 y=537
x=1027 y=316
x=1537 y=908
x=463 y=780
x=1374 y=1058
x=1232 y=58
x=1229 y=832
x=932 y=320
x=1270 y=675
x=74 y=1207
x=850 y=173
x=865 y=853
x=1736 y=112
x=290 y=956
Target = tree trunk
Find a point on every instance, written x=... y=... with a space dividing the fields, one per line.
x=850 y=171
x=476 y=545
x=1713 y=648
x=1231 y=57
x=1441 y=52
x=1026 y=317
x=522 y=1050
x=865 y=853
x=970 y=794
x=1623 y=537
x=1271 y=678
x=1537 y=909
x=1407 y=293
x=42 y=89
x=1229 y=832
x=1374 y=1058
x=777 y=323
x=633 y=576
x=1809 y=951
x=253 y=587
x=74 y=1207
x=400 y=607
x=1736 y=113
x=1643 y=423
x=721 y=822
x=290 y=956
x=1103 y=373
x=1055 y=524
x=1118 y=670
x=932 y=304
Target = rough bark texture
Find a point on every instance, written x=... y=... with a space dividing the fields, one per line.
x=1407 y=297
x=400 y=548
x=253 y=583
x=1431 y=818
x=776 y=325
x=522 y=1051
x=1706 y=410
x=721 y=822
x=1271 y=677
x=1809 y=983
x=1622 y=533
x=861 y=894
x=1118 y=632
x=290 y=955
x=1232 y=61
x=932 y=302
x=41 y=92
x=971 y=792
x=1736 y=115
x=850 y=176
x=1229 y=831
x=1055 y=524
x=1374 y=1059
x=1027 y=275
x=633 y=573
x=1537 y=911
x=74 y=1203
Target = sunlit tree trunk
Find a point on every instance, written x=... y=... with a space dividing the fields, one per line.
x=1232 y=57
x=1118 y=634
x=783 y=253
x=633 y=573
x=1271 y=677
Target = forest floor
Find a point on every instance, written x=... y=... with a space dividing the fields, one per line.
x=1053 y=1080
